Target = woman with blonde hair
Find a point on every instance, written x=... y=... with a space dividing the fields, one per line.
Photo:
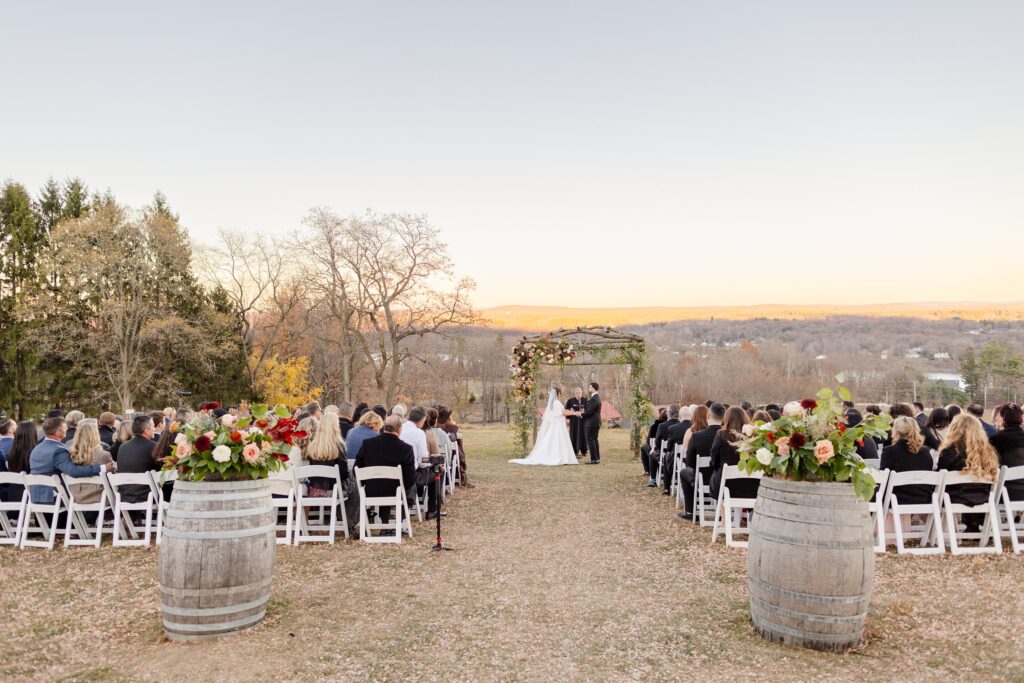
x=87 y=449
x=327 y=447
x=122 y=436
x=906 y=454
x=368 y=427
x=966 y=449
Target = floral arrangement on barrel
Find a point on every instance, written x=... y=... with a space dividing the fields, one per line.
x=527 y=357
x=228 y=449
x=812 y=442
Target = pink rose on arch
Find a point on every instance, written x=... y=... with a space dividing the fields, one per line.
x=824 y=451
x=251 y=452
x=783 y=446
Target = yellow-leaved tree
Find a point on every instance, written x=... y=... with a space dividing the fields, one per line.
x=286 y=382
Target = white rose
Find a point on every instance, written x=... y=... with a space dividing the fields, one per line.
x=222 y=453
x=763 y=455
x=228 y=420
x=748 y=429
x=767 y=427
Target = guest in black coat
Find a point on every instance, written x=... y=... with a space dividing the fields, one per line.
x=136 y=456
x=345 y=414
x=869 y=449
x=387 y=450
x=645 y=450
x=723 y=452
x=1009 y=444
x=906 y=454
x=107 y=429
x=660 y=441
x=25 y=440
x=935 y=428
x=977 y=411
x=966 y=449
x=675 y=436
x=699 y=446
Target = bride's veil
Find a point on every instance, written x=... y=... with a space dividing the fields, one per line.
x=552 y=400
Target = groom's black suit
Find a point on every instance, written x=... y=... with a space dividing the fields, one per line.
x=592 y=425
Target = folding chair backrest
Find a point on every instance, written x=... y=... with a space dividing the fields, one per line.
x=927 y=477
x=881 y=477
x=733 y=472
x=14 y=478
x=303 y=472
x=95 y=479
x=703 y=462
x=955 y=478
x=47 y=480
x=1009 y=474
x=281 y=482
x=117 y=479
x=364 y=474
x=873 y=463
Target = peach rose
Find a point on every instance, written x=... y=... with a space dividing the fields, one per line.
x=782 y=446
x=211 y=435
x=251 y=452
x=824 y=451
x=183 y=450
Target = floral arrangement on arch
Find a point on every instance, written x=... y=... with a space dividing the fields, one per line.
x=812 y=442
x=228 y=449
x=527 y=357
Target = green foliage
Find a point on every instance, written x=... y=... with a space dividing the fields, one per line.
x=813 y=443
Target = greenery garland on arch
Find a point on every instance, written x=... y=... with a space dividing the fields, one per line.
x=579 y=346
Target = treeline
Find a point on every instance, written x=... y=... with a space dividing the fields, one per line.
x=103 y=306
x=99 y=306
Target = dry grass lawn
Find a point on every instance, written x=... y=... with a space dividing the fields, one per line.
x=572 y=573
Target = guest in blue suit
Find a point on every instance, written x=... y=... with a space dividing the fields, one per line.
x=979 y=412
x=51 y=456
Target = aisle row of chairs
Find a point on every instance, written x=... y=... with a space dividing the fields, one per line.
x=934 y=525
x=300 y=517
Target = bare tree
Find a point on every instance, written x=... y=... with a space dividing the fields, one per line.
x=263 y=287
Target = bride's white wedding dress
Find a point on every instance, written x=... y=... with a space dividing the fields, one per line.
x=553 y=446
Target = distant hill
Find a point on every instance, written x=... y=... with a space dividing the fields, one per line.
x=542 y=318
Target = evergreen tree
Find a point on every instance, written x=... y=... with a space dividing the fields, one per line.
x=75 y=199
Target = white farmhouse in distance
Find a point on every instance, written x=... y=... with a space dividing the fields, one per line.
x=953 y=380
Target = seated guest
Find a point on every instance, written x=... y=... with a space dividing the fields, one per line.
x=919 y=414
x=327 y=447
x=121 y=436
x=87 y=449
x=297 y=455
x=368 y=428
x=953 y=410
x=51 y=456
x=675 y=435
x=183 y=416
x=977 y=411
x=1009 y=444
x=699 y=446
x=388 y=450
x=896 y=411
x=72 y=419
x=136 y=456
x=660 y=440
x=414 y=435
x=868 y=449
x=157 y=418
x=723 y=452
x=380 y=410
x=360 y=410
x=935 y=428
x=7 y=429
x=345 y=412
x=164 y=449
x=107 y=428
x=908 y=453
x=966 y=449
x=652 y=432
x=25 y=440
x=446 y=424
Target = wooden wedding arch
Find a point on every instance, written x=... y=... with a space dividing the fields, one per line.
x=579 y=346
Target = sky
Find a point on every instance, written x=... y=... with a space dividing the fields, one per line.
x=579 y=154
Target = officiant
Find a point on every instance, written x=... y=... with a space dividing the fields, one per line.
x=579 y=440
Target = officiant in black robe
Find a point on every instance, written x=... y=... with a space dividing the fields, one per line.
x=576 y=435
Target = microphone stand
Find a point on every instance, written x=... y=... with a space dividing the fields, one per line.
x=439 y=546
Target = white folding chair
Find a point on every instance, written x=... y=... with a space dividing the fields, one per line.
x=10 y=530
x=448 y=482
x=76 y=529
x=703 y=503
x=421 y=501
x=931 y=531
x=875 y=463
x=126 y=533
x=988 y=508
x=456 y=464
x=730 y=509
x=877 y=506
x=305 y=528
x=47 y=527
x=401 y=522
x=1011 y=508
x=677 y=468
x=282 y=490
x=163 y=505
x=650 y=457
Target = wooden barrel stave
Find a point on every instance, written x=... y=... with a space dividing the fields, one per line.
x=810 y=564
x=216 y=558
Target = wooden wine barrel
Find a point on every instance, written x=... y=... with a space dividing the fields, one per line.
x=810 y=563
x=216 y=558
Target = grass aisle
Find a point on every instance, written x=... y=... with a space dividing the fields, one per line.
x=558 y=573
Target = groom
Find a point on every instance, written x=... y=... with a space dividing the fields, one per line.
x=592 y=424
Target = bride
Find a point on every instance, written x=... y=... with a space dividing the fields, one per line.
x=553 y=446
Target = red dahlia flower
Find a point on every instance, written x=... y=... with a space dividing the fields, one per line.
x=797 y=440
x=203 y=443
x=235 y=435
x=808 y=404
